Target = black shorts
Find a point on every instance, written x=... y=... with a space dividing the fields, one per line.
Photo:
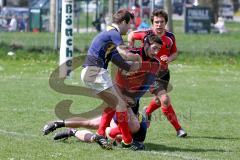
x=161 y=82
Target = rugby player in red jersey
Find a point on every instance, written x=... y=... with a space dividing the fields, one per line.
x=166 y=54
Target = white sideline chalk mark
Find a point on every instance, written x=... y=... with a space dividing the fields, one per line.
x=172 y=155
x=26 y=110
x=4 y=132
x=23 y=78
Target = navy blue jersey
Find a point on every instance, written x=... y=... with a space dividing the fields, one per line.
x=103 y=48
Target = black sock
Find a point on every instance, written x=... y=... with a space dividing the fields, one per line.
x=73 y=132
x=60 y=123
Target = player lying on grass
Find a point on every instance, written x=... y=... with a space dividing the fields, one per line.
x=132 y=85
x=136 y=123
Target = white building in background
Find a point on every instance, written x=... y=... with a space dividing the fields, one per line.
x=1 y=3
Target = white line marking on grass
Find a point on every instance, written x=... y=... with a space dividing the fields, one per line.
x=172 y=155
x=4 y=78
x=10 y=133
x=26 y=110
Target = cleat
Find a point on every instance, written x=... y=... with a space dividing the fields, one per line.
x=65 y=134
x=181 y=133
x=136 y=146
x=125 y=145
x=114 y=143
x=52 y=127
x=102 y=141
x=111 y=140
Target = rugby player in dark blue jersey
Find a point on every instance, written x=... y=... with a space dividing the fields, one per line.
x=105 y=47
x=109 y=46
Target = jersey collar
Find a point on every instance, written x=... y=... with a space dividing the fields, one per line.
x=116 y=26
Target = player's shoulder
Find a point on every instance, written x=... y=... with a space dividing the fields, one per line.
x=111 y=31
x=169 y=34
x=111 y=28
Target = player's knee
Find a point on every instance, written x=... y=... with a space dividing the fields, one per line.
x=165 y=100
x=121 y=103
x=134 y=128
x=157 y=101
x=133 y=124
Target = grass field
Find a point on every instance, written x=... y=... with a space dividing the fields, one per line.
x=205 y=96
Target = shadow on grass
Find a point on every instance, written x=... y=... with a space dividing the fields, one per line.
x=160 y=147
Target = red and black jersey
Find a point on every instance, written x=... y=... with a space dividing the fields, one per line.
x=137 y=83
x=169 y=44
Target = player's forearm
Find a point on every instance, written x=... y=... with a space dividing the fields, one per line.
x=172 y=57
x=128 y=56
x=132 y=57
x=135 y=66
x=122 y=50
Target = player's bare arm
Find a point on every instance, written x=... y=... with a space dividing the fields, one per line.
x=131 y=40
x=128 y=56
x=170 y=58
x=123 y=51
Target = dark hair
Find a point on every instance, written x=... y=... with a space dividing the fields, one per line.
x=122 y=15
x=151 y=38
x=159 y=13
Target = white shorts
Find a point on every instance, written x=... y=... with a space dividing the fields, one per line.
x=96 y=78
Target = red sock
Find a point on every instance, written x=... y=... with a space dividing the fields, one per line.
x=152 y=107
x=171 y=116
x=114 y=132
x=122 y=119
x=107 y=116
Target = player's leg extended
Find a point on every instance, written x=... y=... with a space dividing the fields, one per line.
x=113 y=97
x=169 y=112
x=158 y=88
x=85 y=136
x=82 y=122
x=75 y=122
x=133 y=125
x=82 y=135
